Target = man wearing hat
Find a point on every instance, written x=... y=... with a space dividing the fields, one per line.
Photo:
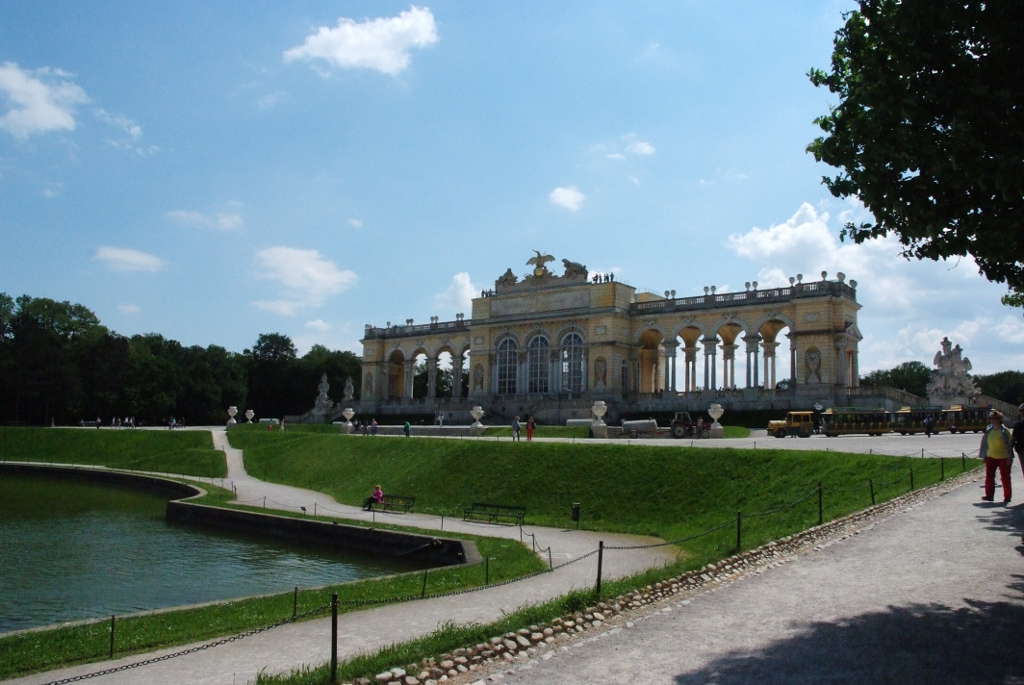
x=996 y=450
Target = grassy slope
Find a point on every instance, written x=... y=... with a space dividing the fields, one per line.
x=186 y=452
x=541 y=431
x=668 y=492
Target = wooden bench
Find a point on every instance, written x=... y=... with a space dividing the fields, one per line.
x=494 y=513
x=394 y=503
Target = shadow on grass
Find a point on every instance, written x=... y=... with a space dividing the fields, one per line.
x=917 y=643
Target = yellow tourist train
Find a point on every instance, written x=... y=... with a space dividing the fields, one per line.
x=905 y=421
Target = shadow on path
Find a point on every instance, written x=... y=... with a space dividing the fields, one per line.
x=917 y=643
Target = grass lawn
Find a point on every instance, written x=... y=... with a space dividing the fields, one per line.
x=662 y=491
x=46 y=649
x=185 y=452
x=736 y=432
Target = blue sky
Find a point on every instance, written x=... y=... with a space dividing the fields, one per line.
x=211 y=171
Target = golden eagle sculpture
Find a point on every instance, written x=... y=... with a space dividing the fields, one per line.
x=538 y=262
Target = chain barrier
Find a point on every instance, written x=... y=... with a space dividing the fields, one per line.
x=190 y=650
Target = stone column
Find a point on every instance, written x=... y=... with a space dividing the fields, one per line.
x=410 y=370
x=841 y=363
x=792 y=359
x=457 y=377
x=729 y=366
x=670 y=365
x=769 y=364
x=710 y=359
x=432 y=378
x=855 y=381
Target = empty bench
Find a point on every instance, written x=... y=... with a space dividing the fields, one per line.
x=494 y=513
x=394 y=503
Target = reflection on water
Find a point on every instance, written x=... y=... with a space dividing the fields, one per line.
x=72 y=549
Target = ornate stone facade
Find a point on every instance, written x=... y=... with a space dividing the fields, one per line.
x=543 y=343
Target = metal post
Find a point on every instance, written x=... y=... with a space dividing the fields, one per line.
x=314 y=509
x=264 y=501
x=295 y=602
x=963 y=461
x=942 y=469
x=600 y=563
x=442 y=520
x=334 y=637
x=520 y=532
x=871 y=485
x=551 y=564
x=821 y=506
x=113 y=622
x=739 y=527
x=423 y=592
x=487 y=570
x=911 y=478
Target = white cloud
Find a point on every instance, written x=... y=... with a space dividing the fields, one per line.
x=38 y=101
x=318 y=325
x=129 y=309
x=568 y=197
x=640 y=147
x=52 y=190
x=308 y=278
x=381 y=44
x=355 y=223
x=634 y=180
x=615 y=155
x=908 y=306
x=127 y=259
x=219 y=221
x=458 y=296
x=271 y=100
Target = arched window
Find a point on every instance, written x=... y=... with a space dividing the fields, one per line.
x=537 y=364
x=572 y=362
x=507 y=363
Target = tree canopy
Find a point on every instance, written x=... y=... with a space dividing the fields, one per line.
x=929 y=129
x=910 y=376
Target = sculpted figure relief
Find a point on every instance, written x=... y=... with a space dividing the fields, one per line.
x=574 y=268
x=508 y=278
x=813 y=361
x=950 y=381
x=538 y=263
x=600 y=373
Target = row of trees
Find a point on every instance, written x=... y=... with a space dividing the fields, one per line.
x=59 y=363
x=1007 y=386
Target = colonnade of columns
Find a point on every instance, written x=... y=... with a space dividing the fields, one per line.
x=409 y=375
x=760 y=354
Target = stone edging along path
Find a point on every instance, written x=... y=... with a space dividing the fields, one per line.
x=524 y=647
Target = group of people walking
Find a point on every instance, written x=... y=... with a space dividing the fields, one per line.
x=998 y=446
x=517 y=428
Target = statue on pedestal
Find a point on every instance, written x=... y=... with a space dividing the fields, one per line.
x=950 y=382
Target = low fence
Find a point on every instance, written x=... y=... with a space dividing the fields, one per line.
x=816 y=497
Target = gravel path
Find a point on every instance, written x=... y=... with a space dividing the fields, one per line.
x=931 y=590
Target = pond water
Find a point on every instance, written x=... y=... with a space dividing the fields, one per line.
x=74 y=549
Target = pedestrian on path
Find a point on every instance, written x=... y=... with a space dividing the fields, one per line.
x=996 y=451
x=1018 y=437
x=531 y=426
x=407 y=428
x=515 y=430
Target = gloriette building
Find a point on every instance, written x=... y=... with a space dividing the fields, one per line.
x=550 y=344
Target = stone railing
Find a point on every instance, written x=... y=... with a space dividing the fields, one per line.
x=397 y=331
x=712 y=301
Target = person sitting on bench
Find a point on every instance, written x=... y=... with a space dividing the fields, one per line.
x=375 y=498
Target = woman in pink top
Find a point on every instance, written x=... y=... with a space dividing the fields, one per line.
x=375 y=498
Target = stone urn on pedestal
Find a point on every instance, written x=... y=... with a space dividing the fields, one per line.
x=715 y=411
x=348 y=413
x=477 y=413
x=249 y=413
x=232 y=410
x=598 y=428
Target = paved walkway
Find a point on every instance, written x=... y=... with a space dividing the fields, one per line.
x=290 y=646
x=931 y=595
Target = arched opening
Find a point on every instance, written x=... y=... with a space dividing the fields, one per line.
x=419 y=375
x=573 y=363
x=396 y=375
x=730 y=351
x=689 y=378
x=445 y=374
x=777 y=355
x=538 y=354
x=506 y=362
x=650 y=362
